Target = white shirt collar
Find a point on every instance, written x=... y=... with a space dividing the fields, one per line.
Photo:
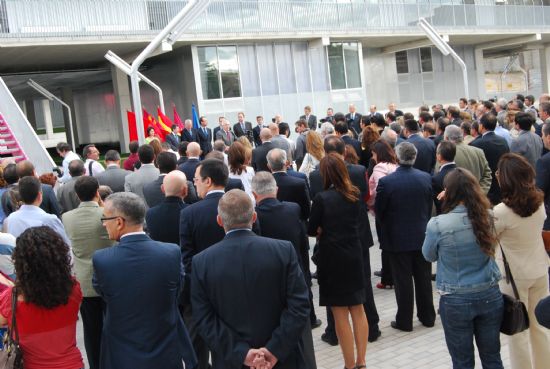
x=214 y=191
x=444 y=165
x=131 y=234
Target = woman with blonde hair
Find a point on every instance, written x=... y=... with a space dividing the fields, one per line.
x=315 y=153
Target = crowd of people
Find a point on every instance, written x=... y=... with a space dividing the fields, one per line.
x=212 y=229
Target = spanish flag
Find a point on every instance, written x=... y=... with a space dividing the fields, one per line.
x=164 y=122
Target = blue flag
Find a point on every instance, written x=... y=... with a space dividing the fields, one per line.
x=196 y=124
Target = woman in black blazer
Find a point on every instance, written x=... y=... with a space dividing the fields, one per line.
x=335 y=221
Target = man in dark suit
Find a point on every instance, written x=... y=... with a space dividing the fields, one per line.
x=242 y=127
x=353 y=119
x=174 y=139
x=290 y=188
x=493 y=147
x=259 y=154
x=403 y=208
x=342 y=131
x=543 y=172
x=309 y=118
x=198 y=231
x=113 y=176
x=68 y=200
x=193 y=160
x=425 y=158
x=188 y=134
x=269 y=302
x=131 y=337
x=256 y=130
x=163 y=220
x=204 y=137
x=445 y=155
x=152 y=192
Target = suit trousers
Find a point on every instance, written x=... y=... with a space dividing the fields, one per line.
x=201 y=349
x=369 y=305
x=530 y=348
x=92 y=310
x=412 y=275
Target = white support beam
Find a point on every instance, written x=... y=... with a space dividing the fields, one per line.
x=424 y=42
x=510 y=41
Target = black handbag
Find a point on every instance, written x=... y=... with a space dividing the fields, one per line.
x=11 y=356
x=515 y=318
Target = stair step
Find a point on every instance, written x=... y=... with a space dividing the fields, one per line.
x=5 y=150
x=7 y=143
x=18 y=157
x=6 y=136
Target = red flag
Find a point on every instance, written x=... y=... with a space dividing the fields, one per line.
x=132 y=127
x=150 y=121
x=177 y=119
x=164 y=122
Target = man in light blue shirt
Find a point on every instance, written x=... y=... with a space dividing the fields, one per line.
x=29 y=214
x=64 y=150
x=504 y=133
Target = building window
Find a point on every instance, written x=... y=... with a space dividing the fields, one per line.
x=219 y=70
x=343 y=59
x=402 y=62
x=426 y=59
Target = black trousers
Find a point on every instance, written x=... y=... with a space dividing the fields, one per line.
x=200 y=347
x=369 y=305
x=412 y=275
x=92 y=310
x=387 y=277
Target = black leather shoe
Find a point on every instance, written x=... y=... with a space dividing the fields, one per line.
x=374 y=335
x=378 y=273
x=395 y=326
x=316 y=324
x=433 y=277
x=314 y=275
x=427 y=324
x=333 y=341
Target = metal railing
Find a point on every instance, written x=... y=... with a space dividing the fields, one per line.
x=134 y=18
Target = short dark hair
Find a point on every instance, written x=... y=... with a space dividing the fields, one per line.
x=378 y=120
x=86 y=150
x=545 y=131
x=216 y=170
x=408 y=116
x=489 y=121
x=545 y=106
x=429 y=127
x=425 y=116
x=475 y=126
x=520 y=97
x=10 y=174
x=283 y=128
x=437 y=115
x=341 y=127
x=466 y=127
x=86 y=188
x=442 y=123
x=174 y=126
x=411 y=125
x=29 y=188
x=146 y=154
x=464 y=100
x=424 y=108
x=339 y=117
x=447 y=150
x=488 y=105
x=182 y=148
x=301 y=123
x=334 y=144
x=24 y=168
x=112 y=155
x=76 y=168
x=133 y=146
x=531 y=98
x=453 y=111
x=390 y=116
x=166 y=162
x=524 y=120
x=63 y=147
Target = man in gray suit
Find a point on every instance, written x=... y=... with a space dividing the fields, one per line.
x=225 y=133
x=68 y=200
x=147 y=173
x=113 y=176
x=527 y=144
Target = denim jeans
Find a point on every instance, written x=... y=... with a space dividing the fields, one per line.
x=465 y=316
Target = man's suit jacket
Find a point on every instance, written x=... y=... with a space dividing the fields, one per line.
x=239 y=130
x=66 y=195
x=543 y=182
x=135 y=181
x=222 y=135
x=493 y=147
x=113 y=177
x=173 y=140
x=293 y=189
x=353 y=124
x=259 y=156
x=425 y=157
x=266 y=306
x=140 y=281
x=234 y=183
x=473 y=159
x=153 y=194
x=403 y=208
x=189 y=135
x=49 y=201
x=189 y=167
x=215 y=131
x=256 y=134
x=529 y=145
x=163 y=220
x=354 y=143
x=311 y=122
x=204 y=140
x=437 y=184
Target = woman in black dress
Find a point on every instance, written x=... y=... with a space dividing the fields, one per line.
x=335 y=221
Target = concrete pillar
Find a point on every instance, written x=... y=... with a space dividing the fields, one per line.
x=480 y=74
x=67 y=97
x=544 y=55
x=47 y=113
x=30 y=113
x=123 y=102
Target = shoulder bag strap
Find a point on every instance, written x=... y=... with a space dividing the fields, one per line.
x=13 y=330
x=90 y=173
x=509 y=276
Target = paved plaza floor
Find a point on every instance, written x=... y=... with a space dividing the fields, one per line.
x=422 y=348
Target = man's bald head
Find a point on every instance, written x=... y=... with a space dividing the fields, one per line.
x=175 y=184
x=274 y=128
x=193 y=149
x=235 y=210
x=265 y=134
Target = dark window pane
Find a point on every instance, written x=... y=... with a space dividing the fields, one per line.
x=336 y=66
x=426 y=59
x=208 y=65
x=353 y=72
x=402 y=62
x=229 y=70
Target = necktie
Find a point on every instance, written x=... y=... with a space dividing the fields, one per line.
x=242 y=126
x=204 y=130
x=228 y=136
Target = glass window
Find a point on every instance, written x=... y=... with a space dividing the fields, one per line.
x=426 y=59
x=336 y=65
x=229 y=71
x=248 y=70
x=345 y=71
x=268 y=71
x=353 y=72
x=402 y=62
x=285 y=68
x=208 y=65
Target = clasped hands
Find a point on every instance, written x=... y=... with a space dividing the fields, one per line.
x=260 y=359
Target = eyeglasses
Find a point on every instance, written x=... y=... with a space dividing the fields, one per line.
x=104 y=219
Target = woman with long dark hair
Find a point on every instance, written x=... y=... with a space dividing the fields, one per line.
x=48 y=298
x=239 y=168
x=519 y=220
x=462 y=241
x=335 y=221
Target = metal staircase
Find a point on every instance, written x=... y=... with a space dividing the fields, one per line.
x=17 y=137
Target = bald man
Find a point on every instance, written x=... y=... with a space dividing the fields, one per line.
x=259 y=154
x=193 y=160
x=163 y=220
x=279 y=141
